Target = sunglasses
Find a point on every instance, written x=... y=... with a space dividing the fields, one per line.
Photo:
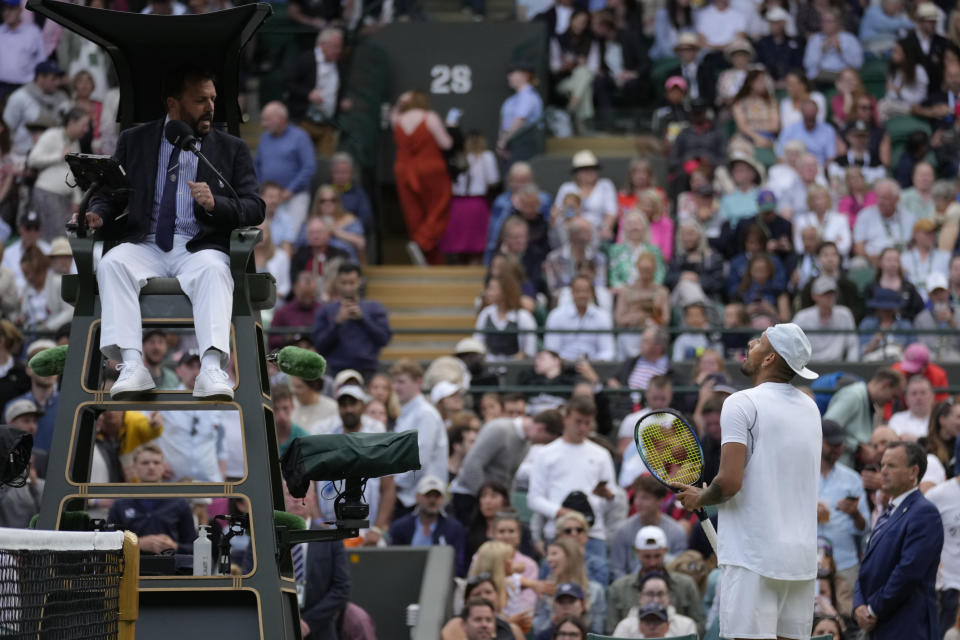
x=572 y=530
x=324 y=200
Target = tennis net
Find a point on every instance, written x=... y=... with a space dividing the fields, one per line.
x=60 y=585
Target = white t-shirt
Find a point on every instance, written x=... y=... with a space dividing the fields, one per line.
x=601 y=202
x=631 y=466
x=562 y=468
x=935 y=472
x=770 y=525
x=909 y=425
x=720 y=27
x=946 y=497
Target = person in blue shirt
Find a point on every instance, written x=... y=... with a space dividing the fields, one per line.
x=819 y=138
x=882 y=24
x=524 y=108
x=161 y=525
x=43 y=393
x=285 y=155
x=350 y=331
x=842 y=511
x=353 y=197
x=883 y=316
x=429 y=525
x=831 y=50
x=742 y=202
x=520 y=175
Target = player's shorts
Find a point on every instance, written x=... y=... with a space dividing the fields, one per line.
x=752 y=606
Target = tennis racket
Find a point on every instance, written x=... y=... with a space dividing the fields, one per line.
x=671 y=451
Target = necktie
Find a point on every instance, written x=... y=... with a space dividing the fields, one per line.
x=299 y=564
x=882 y=520
x=167 y=214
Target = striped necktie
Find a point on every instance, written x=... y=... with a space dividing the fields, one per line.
x=299 y=564
x=167 y=212
x=882 y=520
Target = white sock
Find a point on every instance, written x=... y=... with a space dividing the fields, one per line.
x=210 y=359
x=132 y=356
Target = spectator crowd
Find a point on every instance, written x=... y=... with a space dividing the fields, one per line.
x=800 y=166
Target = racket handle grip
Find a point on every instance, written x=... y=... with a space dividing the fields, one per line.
x=708 y=529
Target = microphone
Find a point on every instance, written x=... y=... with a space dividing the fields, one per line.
x=298 y=362
x=49 y=362
x=289 y=520
x=180 y=134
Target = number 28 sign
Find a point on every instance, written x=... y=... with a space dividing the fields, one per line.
x=446 y=79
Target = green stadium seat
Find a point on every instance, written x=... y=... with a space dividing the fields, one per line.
x=899 y=128
x=861 y=277
x=766 y=157
x=518 y=500
x=873 y=73
x=658 y=75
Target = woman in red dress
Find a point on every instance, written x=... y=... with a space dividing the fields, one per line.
x=423 y=182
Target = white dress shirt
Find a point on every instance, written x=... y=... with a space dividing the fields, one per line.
x=570 y=346
x=328 y=82
x=420 y=415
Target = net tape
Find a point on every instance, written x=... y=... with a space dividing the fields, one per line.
x=59 y=594
x=669 y=448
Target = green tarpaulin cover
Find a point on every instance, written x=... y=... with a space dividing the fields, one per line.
x=344 y=456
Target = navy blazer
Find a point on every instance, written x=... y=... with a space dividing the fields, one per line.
x=898 y=572
x=327 y=589
x=127 y=219
x=448 y=531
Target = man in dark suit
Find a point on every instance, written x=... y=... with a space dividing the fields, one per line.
x=312 y=73
x=321 y=573
x=176 y=223
x=428 y=525
x=929 y=46
x=894 y=596
x=700 y=78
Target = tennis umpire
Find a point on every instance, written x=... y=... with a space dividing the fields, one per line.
x=767 y=492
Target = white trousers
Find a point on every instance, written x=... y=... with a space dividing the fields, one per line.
x=204 y=276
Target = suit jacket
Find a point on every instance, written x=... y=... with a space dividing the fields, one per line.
x=300 y=81
x=706 y=81
x=898 y=572
x=932 y=62
x=127 y=219
x=447 y=532
x=327 y=589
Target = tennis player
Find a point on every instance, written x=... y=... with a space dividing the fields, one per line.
x=766 y=490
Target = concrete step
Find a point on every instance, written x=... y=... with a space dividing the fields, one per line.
x=419 y=353
x=402 y=274
x=426 y=298
x=419 y=339
x=404 y=320
x=600 y=145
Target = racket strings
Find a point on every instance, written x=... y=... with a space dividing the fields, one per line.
x=670 y=449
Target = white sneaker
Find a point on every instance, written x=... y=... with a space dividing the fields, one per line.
x=213 y=384
x=134 y=378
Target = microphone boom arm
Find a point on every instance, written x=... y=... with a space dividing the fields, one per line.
x=190 y=146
